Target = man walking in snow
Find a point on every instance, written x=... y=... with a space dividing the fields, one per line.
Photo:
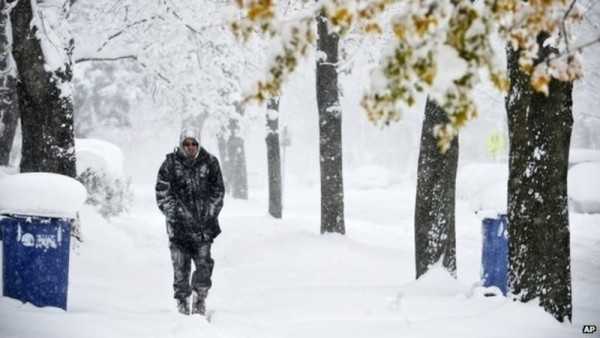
x=189 y=192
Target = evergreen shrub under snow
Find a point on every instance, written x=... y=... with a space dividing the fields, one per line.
x=100 y=169
x=111 y=196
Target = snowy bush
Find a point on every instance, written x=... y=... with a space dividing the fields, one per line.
x=111 y=196
x=100 y=169
x=99 y=155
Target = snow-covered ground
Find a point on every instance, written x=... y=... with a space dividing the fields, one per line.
x=281 y=278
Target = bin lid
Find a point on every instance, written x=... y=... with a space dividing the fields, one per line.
x=41 y=194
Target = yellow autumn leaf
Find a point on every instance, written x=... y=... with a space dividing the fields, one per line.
x=459 y=119
x=540 y=82
x=424 y=23
x=500 y=81
x=262 y=9
x=428 y=75
x=342 y=17
x=373 y=27
x=400 y=31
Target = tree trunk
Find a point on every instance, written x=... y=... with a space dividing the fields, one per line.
x=435 y=236
x=239 y=177
x=330 y=131
x=9 y=113
x=196 y=122
x=224 y=159
x=274 y=158
x=540 y=133
x=9 y=109
x=236 y=174
x=46 y=110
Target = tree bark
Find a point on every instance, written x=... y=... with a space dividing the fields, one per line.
x=46 y=111
x=9 y=108
x=330 y=131
x=274 y=158
x=435 y=236
x=539 y=241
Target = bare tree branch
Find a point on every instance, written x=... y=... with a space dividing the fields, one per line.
x=576 y=49
x=127 y=27
x=196 y=30
x=564 y=25
x=102 y=59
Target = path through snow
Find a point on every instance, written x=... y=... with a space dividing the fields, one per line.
x=281 y=278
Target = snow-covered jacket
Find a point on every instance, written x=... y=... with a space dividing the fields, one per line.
x=189 y=192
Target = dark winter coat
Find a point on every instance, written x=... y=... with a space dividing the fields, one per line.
x=189 y=192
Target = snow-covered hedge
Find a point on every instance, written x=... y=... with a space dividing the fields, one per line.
x=99 y=155
x=100 y=169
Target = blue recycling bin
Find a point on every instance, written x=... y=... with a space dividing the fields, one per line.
x=36 y=259
x=494 y=257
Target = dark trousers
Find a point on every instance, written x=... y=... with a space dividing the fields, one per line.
x=182 y=254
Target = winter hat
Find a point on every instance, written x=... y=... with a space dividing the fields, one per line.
x=189 y=132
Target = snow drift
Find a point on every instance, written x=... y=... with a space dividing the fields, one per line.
x=584 y=187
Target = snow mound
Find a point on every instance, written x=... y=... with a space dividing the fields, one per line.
x=369 y=177
x=100 y=156
x=5 y=171
x=492 y=198
x=584 y=188
x=483 y=185
x=435 y=282
x=582 y=155
x=41 y=194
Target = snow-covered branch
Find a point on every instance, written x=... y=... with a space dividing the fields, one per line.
x=116 y=58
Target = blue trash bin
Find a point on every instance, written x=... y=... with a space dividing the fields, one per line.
x=36 y=259
x=494 y=257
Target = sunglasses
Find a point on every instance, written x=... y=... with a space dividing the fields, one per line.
x=189 y=144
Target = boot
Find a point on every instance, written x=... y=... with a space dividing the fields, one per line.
x=183 y=307
x=198 y=302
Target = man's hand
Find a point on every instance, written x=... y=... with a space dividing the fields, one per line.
x=183 y=215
